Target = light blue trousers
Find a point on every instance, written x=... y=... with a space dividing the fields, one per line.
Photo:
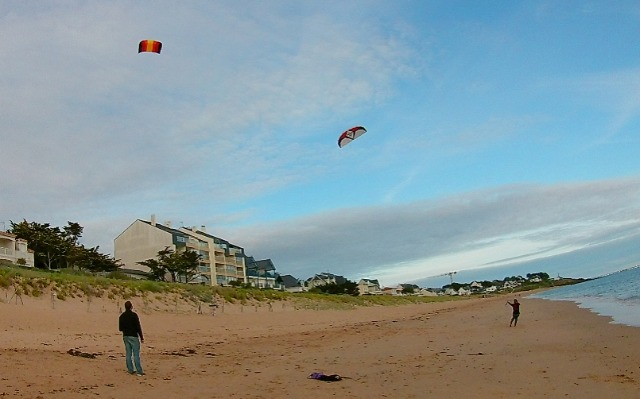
x=132 y=350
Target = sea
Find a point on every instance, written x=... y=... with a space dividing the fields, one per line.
x=616 y=295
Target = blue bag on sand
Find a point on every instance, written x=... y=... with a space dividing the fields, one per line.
x=324 y=377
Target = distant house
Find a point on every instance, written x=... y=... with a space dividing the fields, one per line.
x=426 y=292
x=395 y=291
x=450 y=291
x=511 y=284
x=476 y=287
x=409 y=289
x=261 y=273
x=369 y=287
x=460 y=291
x=13 y=249
x=324 y=279
x=292 y=284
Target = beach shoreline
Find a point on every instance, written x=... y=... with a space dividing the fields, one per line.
x=462 y=348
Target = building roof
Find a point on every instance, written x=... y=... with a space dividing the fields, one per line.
x=4 y=233
x=134 y=272
x=168 y=229
x=262 y=265
x=215 y=239
x=326 y=277
x=178 y=232
x=289 y=281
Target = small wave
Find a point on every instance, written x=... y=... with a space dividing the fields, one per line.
x=615 y=295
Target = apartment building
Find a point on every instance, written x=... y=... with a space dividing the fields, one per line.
x=14 y=249
x=220 y=261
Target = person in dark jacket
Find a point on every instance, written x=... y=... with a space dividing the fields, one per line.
x=129 y=324
x=516 y=312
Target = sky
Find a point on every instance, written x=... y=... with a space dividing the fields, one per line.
x=502 y=136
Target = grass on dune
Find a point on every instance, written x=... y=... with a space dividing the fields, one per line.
x=74 y=284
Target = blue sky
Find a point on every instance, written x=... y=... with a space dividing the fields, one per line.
x=502 y=136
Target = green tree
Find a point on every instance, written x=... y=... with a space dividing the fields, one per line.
x=187 y=264
x=168 y=262
x=157 y=271
x=543 y=276
x=175 y=264
x=92 y=260
x=48 y=243
x=348 y=288
x=408 y=290
x=56 y=248
x=73 y=231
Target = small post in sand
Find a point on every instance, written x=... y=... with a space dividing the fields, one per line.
x=54 y=296
x=17 y=293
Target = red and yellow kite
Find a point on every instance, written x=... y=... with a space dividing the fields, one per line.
x=149 y=46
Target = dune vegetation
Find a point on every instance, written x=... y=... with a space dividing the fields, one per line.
x=69 y=284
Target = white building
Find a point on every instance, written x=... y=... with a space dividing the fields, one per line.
x=15 y=250
x=369 y=287
x=220 y=261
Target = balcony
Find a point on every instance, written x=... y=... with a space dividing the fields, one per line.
x=7 y=251
x=228 y=271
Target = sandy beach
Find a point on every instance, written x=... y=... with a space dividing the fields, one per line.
x=452 y=349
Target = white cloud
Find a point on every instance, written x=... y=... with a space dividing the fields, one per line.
x=88 y=117
x=473 y=230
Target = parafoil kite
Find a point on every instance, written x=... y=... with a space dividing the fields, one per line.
x=350 y=135
x=149 y=46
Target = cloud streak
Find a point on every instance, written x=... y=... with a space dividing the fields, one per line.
x=477 y=229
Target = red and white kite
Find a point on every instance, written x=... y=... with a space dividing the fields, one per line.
x=350 y=135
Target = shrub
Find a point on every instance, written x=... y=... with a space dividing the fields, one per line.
x=118 y=275
x=150 y=286
x=5 y=281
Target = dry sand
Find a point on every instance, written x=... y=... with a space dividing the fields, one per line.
x=463 y=349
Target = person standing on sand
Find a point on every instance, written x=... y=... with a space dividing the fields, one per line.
x=516 y=312
x=129 y=324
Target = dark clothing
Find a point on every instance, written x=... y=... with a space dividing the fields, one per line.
x=516 y=312
x=130 y=324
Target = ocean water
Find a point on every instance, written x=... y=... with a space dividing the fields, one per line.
x=616 y=295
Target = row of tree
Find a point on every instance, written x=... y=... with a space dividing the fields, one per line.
x=541 y=276
x=346 y=288
x=59 y=248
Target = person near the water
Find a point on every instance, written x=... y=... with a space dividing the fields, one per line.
x=516 y=312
